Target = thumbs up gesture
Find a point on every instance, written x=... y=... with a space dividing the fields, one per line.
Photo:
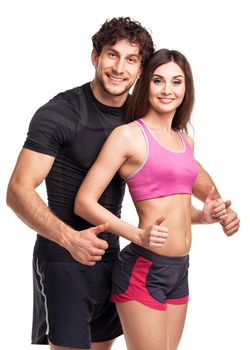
x=154 y=235
x=214 y=210
x=85 y=246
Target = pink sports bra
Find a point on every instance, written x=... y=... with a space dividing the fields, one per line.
x=163 y=172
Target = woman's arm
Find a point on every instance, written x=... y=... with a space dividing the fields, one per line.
x=116 y=151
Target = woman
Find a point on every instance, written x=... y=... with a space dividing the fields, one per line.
x=154 y=155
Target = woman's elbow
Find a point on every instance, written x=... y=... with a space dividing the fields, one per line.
x=81 y=207
x=78 y=207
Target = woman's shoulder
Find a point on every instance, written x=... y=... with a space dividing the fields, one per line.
x=124 y=139
x=126 y=131
x=188 y=138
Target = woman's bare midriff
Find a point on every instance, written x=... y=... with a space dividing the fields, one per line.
x=177 y=210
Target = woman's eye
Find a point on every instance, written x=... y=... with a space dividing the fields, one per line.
x=176 y=82
x=157 y=81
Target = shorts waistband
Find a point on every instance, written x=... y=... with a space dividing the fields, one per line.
x=157 y=258
x=47 y=250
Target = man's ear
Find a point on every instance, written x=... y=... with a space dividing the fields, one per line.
x=94 y=58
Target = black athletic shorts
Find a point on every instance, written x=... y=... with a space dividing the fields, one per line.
x=72 y=305
x=149 y=278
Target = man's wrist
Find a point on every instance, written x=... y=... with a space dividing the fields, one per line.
x=65 y=235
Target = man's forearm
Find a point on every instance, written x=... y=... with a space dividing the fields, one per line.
x=203 y=185
x=31 y=209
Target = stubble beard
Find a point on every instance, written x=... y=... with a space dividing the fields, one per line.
x=113 y=91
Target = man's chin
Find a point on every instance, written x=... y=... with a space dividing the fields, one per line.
x=116 y=91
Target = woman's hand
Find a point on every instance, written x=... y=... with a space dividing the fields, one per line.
x=154 y=236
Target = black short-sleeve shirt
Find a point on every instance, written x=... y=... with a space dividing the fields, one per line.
x=72 y=127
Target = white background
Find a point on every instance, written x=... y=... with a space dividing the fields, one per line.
x=45 y=49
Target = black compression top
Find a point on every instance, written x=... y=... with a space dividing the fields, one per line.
x=72 y=127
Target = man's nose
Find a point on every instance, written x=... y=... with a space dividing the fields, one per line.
x=119 y=66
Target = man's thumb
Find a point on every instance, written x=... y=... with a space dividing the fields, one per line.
x=227 y=203
x=160 y=220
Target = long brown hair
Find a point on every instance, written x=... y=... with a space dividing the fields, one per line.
x=139 y=100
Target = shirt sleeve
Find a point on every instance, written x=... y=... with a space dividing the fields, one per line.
x=51 y=128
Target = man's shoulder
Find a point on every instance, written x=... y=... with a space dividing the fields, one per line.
x=70 y=94
x=66 y=104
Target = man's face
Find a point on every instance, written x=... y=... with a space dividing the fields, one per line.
x=117 y=67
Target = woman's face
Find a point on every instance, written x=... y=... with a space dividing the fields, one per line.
x=167 y=88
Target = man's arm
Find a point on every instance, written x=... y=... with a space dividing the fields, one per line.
x=201 y=190
x=214 y=210
x=203 y=185
x=31 y=169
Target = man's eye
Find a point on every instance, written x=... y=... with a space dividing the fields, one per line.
x=131 y=60
x=112 y=55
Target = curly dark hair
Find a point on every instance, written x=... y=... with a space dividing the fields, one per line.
x=139 y=100
x=124 y=28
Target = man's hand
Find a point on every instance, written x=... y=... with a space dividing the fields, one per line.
x=154 y=236
x=214 y=209
x=86 y=247
x=232 y=223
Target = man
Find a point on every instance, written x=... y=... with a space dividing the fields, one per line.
x=72 y=266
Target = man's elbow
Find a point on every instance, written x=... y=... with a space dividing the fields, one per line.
x=17 y=192
x=11 y=194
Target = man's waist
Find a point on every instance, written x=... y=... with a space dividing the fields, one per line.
x=48 y=250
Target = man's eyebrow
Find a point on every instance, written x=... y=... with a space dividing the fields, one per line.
x=111 y=49
x=118 y=53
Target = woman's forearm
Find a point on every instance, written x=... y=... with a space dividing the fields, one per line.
x=97 y=214
x=196 y=216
